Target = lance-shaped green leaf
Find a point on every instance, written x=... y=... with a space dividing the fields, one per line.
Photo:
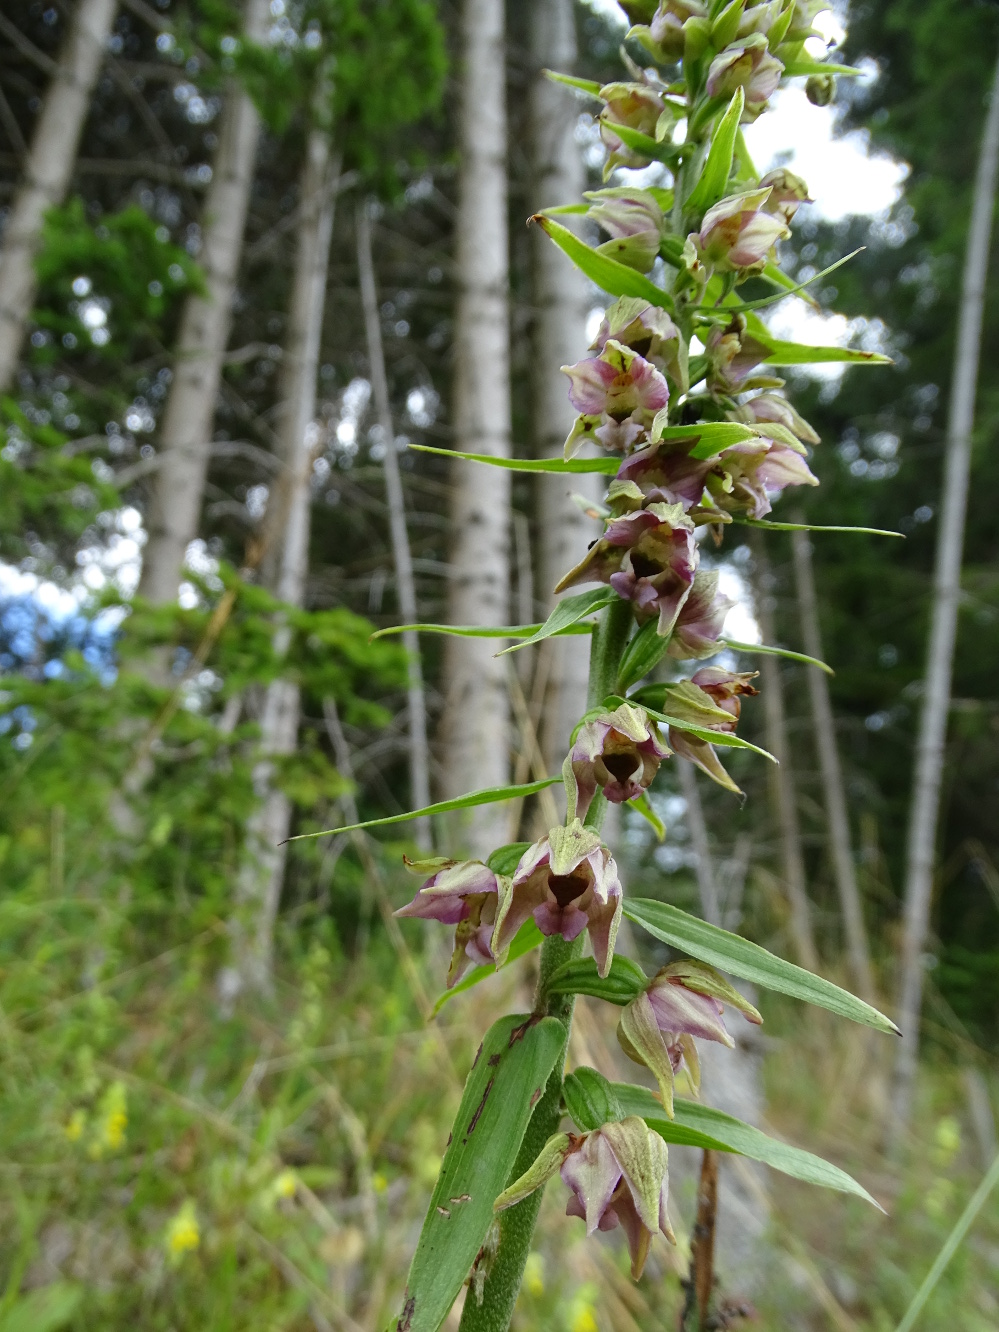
x=765 y=650
x=605 y=466
x=623 y=982
x=658 y=149
x=567 y=612
x=810 y=527
x=477 y=630
x=797 y=62
x=615 y=278
x=799 y=353
x=739 y=957
x=643 y=652
x=507 y=1079
x=643 y=805
x=795 y=289
x=505 y=859
x=527 y=938
x=709 y=437
x=697 y=1125
x=588 y=86
x=776 y=276
x=590 y=1099
x=713 y=180
x=488 y=796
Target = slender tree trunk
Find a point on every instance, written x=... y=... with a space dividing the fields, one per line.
x=946 y=598
x=185 y=433
x=475 y=724
x=697 y=826
x=262 y=874
x=782 y=783
x=48 y=170
x=837 y=817
x=419 y=757
x=559 y=297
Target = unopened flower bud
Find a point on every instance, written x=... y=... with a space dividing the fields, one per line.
x=787 y=193
x=820 y=89
x=635 y=223
x=635 y=105
x=726 y=690
x=666 y=29
x=746 y=64
x=768 y=407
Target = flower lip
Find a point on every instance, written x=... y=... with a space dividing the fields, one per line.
x=566 y=888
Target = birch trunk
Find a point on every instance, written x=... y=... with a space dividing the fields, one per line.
x=259 y=888
x=930 y=744
x=48 y=170
x=559 y=297
x=419 y=761
x=475 y=725
x=782 y=786
x=185 y=433
x=837 y=816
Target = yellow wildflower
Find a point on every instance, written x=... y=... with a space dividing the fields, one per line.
x=183 y=1233
x=285 y=1184
x=534 y=1274
x=75 y=1126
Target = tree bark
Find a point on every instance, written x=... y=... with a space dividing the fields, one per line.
x=185 y=433
x=259 y=889
x=560 y=299
x=475 y=724
x=837 y=817
x=932 y=737
x=782 y=783
x=48 y=170
x=419 y=758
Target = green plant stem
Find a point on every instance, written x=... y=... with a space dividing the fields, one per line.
x=516 y=1226
x=606 y=649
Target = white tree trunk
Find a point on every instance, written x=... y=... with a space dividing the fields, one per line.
x=834 y=791
x=782 y=786
x=185 y=432
x=475 y=724
x=259 y=889
x=419 y=758
x=559 y=298
x=48 y=170
x=930 y=744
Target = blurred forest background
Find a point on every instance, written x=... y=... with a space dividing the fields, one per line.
x=267 y=248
